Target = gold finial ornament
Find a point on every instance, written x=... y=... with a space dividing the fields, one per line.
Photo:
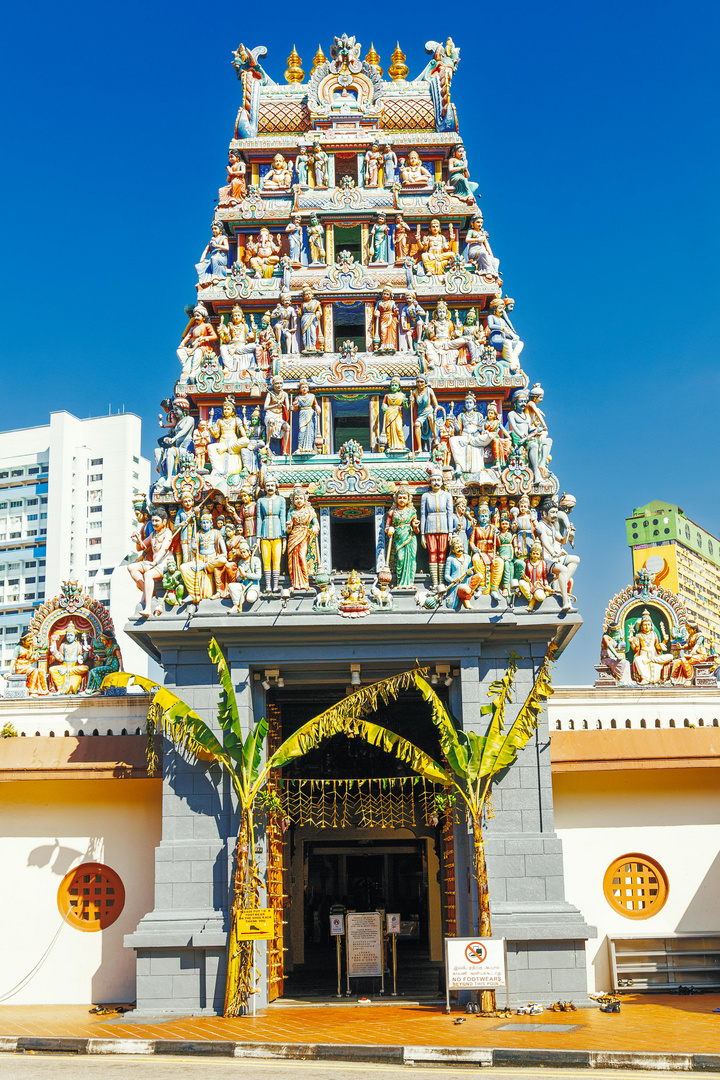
x=398 y=69
x=373 y=60
x=294 y=73
x=318 y=59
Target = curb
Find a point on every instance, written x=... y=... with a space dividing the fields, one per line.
x=378 y=1055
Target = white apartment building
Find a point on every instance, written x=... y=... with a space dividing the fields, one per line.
x=66 y=493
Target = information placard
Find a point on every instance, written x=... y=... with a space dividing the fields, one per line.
x=364 y=944
x=393 y=924
x=256 y=924
x=475 y=963
x=337 y=925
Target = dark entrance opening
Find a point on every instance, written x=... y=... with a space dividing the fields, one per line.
x=351 y=420
x=349 y=325
x=352 y=542
x=346 y=165
x=348 y=238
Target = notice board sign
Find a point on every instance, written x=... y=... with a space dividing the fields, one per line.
x=364 y=944
x=474 y=964
x=257 y=924
x=337 y=926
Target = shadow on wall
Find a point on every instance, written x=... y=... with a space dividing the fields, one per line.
x=59 y=859
x=601 y=964
x=701 y=914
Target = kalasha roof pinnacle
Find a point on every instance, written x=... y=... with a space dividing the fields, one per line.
x=373 y=59
x=318 y=59
x=294 y=71
x=398 y=69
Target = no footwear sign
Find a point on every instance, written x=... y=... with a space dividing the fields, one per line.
x=255 y=924
x=475 y=963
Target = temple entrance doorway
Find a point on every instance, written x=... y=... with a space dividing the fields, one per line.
x=386 y=870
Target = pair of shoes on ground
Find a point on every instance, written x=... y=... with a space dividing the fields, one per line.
x=608 y=1003
x=531 y=1009
x=563 y=1006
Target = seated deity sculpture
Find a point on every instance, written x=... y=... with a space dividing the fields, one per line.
x=237 y=349
x=279 y=178
x=652 y=662
x=70 y=671
x=414 y=174
x=197 y=343
x=264 y=253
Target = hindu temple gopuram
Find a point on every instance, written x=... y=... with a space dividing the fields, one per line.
x=354 y=479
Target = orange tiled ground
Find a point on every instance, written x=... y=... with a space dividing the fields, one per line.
x=646 y=1023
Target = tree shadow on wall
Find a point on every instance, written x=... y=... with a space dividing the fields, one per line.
x=59 y=858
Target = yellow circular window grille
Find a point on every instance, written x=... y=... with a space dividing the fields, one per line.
x=91 y=897
x=636 y=886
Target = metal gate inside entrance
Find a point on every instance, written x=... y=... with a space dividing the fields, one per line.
x=383 y=874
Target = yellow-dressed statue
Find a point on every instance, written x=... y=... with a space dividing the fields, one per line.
x=70 y=671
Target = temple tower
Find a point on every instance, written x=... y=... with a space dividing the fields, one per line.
x=356 y=478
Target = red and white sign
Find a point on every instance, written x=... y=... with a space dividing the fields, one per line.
x=337 y=926
x=475 y=963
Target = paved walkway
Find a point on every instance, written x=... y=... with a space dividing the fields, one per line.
x=647 y=1023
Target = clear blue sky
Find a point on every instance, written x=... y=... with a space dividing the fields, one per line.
x=591 y=128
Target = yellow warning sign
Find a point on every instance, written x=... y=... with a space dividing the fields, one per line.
x=255 y=925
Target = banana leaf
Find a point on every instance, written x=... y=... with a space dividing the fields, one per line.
x=125 y=678
x=528 y=718
x=228 y=717
x=252 y=751
x=450 y=742
x=335 y=722
x=186 y=728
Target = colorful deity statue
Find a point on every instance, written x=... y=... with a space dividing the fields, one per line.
x=244 y=589
x=534 y=584
x=485 y=559
x=385 y=318
x=468 y=445
x=436 y=525
x=500 y=441
x=173 y=584
x=277 y=415
x=320 y=166
x=392 y=410
x=413 y=173
x=463 y=520
x=247 y=513
x=426 y=406
x=436 y=248
x=69 y=672
x=294 y=233
x=185 y=525
x=285 y=324
x=302 y=164
x=401 y=239
x=373 y=163
x=316 y=241
x=380 y=240
x=311 y=320
x=203 y=574
x=412 y=323
x=236 y=188
x=524 y=432
x=237 y=350
x=537 y=416
x=174 y=448
x=524 y=528
x=501 y=333
x=401 y=528
x=309 y=413
x=652 y=663
x=612 y=654
x=561 y=565
x=506 y=552
x=272 y=528
x=442 y=342
x=148 y=571
x=302 y=531
x=198 y=342
x=390 y=164
x=214 y=259
x=477 y=249
x=354 y=603
x=231 y=438
x=459 y=576
x=459 y=182
x=279 y=178
x=266 y=347
x=264 y=253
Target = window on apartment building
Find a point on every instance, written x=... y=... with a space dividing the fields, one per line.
x=14 y=535
x=34 y=471
x=108 y=570
x=636 y=886
x=136 y=476
x=17 y=472
x=136 y=460
x=41 y=562
x=14 y=581
x=96 y=461
x=29 y=596
x=3 y=476
x=43 y=532
x=41 y=578
x=18 y=502
x=30 y=565
x=94 y=477
x=94 y=558
x=29 y=580
x=32 y=517
x=3 y=506
x=43 y=517
x=92 y=573
x=43 y=501
x=96 y=509
x=95 y=540
x=31 y=502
